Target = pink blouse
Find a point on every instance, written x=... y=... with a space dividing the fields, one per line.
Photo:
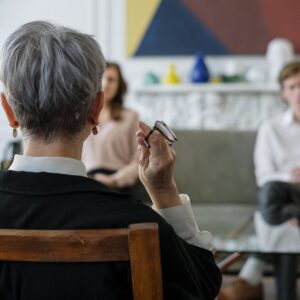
x=115 y=148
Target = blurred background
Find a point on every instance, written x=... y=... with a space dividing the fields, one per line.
x=238 y=47
x=207 y=68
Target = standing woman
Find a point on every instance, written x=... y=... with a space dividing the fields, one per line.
x=111 y=157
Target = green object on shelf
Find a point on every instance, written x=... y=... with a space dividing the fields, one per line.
x=151 y=78
x=232 y=78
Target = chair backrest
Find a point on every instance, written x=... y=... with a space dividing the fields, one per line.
x=139 y=244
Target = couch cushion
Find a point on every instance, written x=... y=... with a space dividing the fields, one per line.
x=216 y=166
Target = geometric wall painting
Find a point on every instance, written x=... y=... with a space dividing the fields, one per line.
x=185 y=27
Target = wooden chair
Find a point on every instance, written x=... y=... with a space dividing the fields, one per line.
x=228 y=261
x=139 y=244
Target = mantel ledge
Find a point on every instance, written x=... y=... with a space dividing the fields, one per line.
x=208 y=88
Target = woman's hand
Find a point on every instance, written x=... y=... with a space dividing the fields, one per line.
x=156 y=168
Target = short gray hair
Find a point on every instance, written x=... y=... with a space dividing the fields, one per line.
x=51 y=76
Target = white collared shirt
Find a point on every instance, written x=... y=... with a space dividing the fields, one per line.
x=277 y=149
x=181 y=217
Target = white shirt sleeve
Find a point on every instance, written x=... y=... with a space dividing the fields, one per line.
x=265 y=169
x=182 y=219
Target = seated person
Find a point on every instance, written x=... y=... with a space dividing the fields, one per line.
x=52 y=92
x=112 y=157
x=277 y=171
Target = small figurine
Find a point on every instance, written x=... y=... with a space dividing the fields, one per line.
x=171 y=77
x=151 y=78
x=199 y=72
x=280 y=51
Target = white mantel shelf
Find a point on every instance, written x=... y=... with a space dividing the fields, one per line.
x=240 y=106
x=208 y=87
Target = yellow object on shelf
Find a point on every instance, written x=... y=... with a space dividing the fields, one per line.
x=216 y=79
x=171 y=77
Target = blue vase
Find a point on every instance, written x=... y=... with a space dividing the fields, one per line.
x=199 y=72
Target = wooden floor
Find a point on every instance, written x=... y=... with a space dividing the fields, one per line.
x=269 y=286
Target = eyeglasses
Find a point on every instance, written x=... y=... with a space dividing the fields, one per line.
x=163 y=128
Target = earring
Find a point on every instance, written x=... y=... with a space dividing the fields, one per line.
x=95 y=130
x=15 y=132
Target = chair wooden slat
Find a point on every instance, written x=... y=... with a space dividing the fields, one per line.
x=138 y=244
x=145 y=261
x=64 y=245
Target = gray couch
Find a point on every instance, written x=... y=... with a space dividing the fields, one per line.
x=216 y=169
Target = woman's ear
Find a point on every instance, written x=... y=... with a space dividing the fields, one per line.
x=96 y=108
x=12 y=120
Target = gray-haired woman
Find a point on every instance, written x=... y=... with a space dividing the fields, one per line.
x=52 y=92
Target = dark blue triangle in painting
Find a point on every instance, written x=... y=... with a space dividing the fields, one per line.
x=175 y=31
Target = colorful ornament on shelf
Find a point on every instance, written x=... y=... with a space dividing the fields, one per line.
x=199 y=72
x=151 y=78
x=280 y=51
x=172 y=77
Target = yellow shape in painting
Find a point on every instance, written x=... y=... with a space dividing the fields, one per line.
x=139 y=16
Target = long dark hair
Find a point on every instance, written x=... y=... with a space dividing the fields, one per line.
x=116 y=104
